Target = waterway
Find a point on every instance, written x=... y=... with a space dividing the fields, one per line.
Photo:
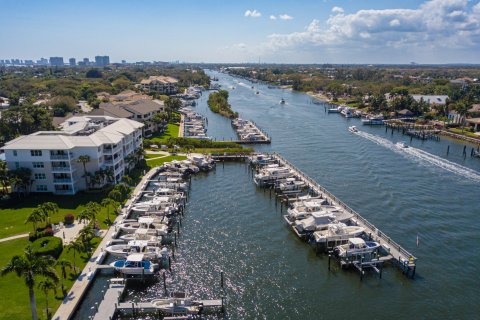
x=232 y=226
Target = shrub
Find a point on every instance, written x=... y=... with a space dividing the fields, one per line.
x=69 y=219
x=52 y=246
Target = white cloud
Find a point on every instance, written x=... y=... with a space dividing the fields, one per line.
x=272 y=17
x=337 y=10
x=240 y=45
x=285 y=17
x=252 y=13
x=435 y=23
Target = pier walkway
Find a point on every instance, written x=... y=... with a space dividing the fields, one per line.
x=406 y=261
x=107 y=307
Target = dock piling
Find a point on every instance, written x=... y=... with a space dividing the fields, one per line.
x=221 y=279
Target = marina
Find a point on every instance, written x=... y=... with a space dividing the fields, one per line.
x=266 y=240
x=248 y=132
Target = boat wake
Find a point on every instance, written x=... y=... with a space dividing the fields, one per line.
x=424 y=157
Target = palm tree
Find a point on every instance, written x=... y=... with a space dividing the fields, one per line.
x=115 y=195
x=47 y=285
x=48 y=208
x=107 y=203
x=34 y=217
x=21 y=179
x=86 y=234
x=77 y=247
x=63 y=265
x=4 y=178
x=85 y=215
x=28 y=267
x=130 y=160
x=94 y=209
x=84 y=160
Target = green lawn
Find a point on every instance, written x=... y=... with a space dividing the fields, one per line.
x=171 y=132
x=13 y=215
x=158 y=162
x=15 y=302
x=465 y=133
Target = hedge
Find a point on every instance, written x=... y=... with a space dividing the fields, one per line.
x=52 y=246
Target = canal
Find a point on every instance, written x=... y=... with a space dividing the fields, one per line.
x=232 y=226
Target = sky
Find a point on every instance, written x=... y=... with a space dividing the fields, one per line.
x=296 y=31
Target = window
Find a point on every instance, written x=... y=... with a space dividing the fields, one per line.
x=38 y=165
x=40 y=176
x=14 y=153
x=36 y=153
x=41 y=187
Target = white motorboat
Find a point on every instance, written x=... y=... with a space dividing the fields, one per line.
x=303 y=209
x=282 y=101
x=355 y=247
x=179 y=303
x=373 y=120
x=159 y=224
x=317 y=221
x=401 y=144
x=137 y=246
x=269 y=175
x=334 y=110
x=347 y=112
x=353 y=129
x=291 y=184
x=261 y=159
x=337 y=232
x=135 y=264
x=149 y=235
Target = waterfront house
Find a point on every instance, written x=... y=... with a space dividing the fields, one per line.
x=405 y=113
x=54 y=156
x=475 y=123
x=455 y=117
x=439 y=100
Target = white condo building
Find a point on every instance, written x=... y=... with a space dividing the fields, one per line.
x=52 y=156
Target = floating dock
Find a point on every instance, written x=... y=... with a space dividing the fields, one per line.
x=107 y=307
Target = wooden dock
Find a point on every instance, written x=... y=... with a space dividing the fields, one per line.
x=404 y=259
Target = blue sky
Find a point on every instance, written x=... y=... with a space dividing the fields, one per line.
x=322 y=31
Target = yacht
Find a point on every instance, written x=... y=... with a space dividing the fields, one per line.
x=135 y=264
x=347 y=112
x=179 y=303
x=136 y=246
x=317 y=221
x=303 y=209
x=291 y=184
x=373 y=120
x=270 y=175
x=149 y=235
x=337 y=232
x=160 y=224
x=354 y=247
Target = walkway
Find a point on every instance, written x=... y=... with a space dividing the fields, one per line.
x=69 y=233
x=71 y=301
x=18 y=236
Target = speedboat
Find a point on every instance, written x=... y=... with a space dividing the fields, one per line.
x=337 y=232
x=347 y=112
x=401 y=144
x=291 y=184
x=179 y=303
x=270 y=175
x=303 y=209
x=282 y=101
x=135 y=264
x=373 y=120
x=354 y=247
x=159 y=224
x=136 y=246
x=353 y=129
x=149 y=235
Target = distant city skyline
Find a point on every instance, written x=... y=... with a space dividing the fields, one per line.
x=348 y=31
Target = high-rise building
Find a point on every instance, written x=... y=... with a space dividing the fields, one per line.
x=42 y=61
x=56 y=61
x=86 y=61
x=101 y=61
x=124 y=61
x=72 y=62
